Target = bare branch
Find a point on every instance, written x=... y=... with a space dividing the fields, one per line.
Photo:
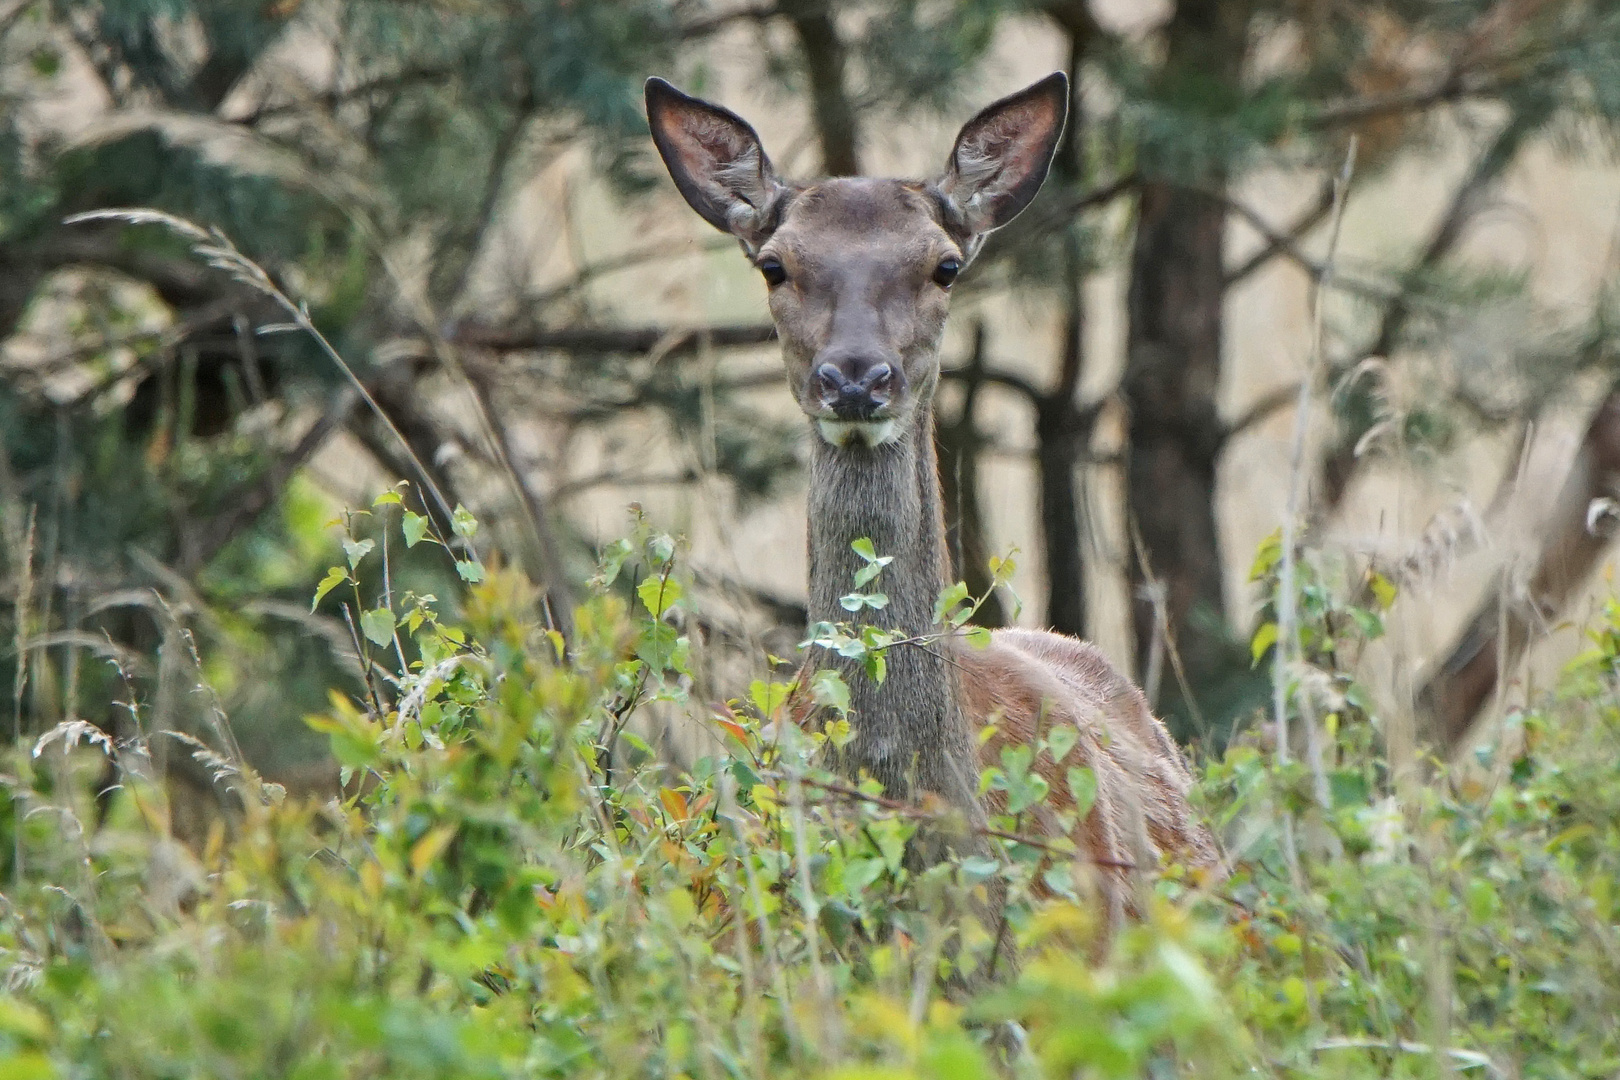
x=1285 y=242
x=391 y=83
x=631 y=339
x=1261 y=410
x=1043 y=218
x=1466 y=202
x=1448 y=91
x=506 y=145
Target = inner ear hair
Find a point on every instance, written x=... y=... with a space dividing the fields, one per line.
x=1002 y=155
x=715 y=158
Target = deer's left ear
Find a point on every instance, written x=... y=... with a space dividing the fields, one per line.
x=1002 y=154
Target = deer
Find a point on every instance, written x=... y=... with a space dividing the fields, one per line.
x=859 y=273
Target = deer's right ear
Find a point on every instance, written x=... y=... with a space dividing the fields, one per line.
x=715 y=159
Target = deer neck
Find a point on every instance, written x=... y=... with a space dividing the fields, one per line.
x=909 y=730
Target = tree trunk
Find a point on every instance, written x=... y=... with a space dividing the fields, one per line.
x=836 y=126
x=1504 y=625
x=1062 y=427
x=1170 y=383
x=958 y=442
x=1063 y=433
x=1174 y=359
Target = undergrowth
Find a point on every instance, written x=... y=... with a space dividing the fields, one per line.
x=513 y=883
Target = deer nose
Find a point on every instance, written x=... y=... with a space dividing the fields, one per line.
x=858 y=394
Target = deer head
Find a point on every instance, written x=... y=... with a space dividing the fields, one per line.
x=860 y=269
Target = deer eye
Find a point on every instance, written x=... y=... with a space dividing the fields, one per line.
x=771 y=268
x=945 y=273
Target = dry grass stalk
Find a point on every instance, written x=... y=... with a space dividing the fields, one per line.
x=1286 y=654
x=19 y=680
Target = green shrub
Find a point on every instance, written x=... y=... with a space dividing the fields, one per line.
x=514 y=885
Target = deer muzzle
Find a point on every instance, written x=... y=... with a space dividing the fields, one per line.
x=856 y=396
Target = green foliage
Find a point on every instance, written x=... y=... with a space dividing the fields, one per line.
x=502 y=891
x=499 y=893
x=513 y=881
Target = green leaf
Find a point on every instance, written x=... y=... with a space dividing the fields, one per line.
x=828 y=688
x=31 y=1065
x=877 y=668
x=357 y=550
x=1264 y=638
x=1483 y=902
x=378 y=626
x=1060 y=740
x=850 y=646
x=610 y=563
x=415 y=527
x=659 y=594
x=1025 y=793
x=21 y=1019
x=744 y=775
x=470 y=572
x=874 y=562
x=949 y=598
x=1370 y=623
x=1383 y=589
x=1267 y=556
x=1083 y=789
x=387 y=498
x=661 y=547
x=768 y=696
x=46 y=62
x=1015 y=760
x=978 y=637
x=662 y=647
x=463 y=522
x=1348 y=787
x=334 y=577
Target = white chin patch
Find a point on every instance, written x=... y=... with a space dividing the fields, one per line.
x=849 y=432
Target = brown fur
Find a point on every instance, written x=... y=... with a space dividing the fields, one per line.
x=1028 y=682
x=859 y=286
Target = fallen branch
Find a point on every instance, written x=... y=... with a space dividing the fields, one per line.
x=1509 y=619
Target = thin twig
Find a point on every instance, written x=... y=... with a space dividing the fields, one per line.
x=915 y=812
x=1286 y=242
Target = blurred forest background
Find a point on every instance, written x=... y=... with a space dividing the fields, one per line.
x=465 y=197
